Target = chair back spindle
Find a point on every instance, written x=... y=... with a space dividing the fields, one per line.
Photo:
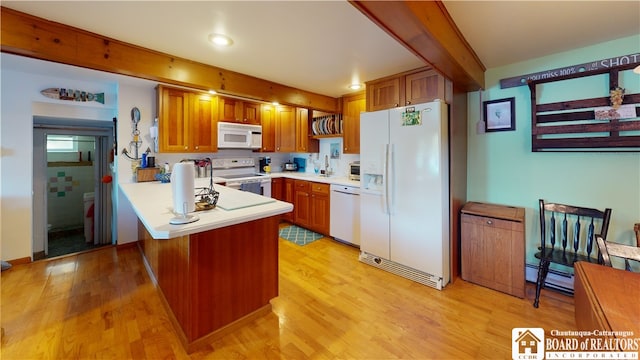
x=580 y=248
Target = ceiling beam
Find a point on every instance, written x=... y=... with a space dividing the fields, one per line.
x=427 y=30
x=35 y=37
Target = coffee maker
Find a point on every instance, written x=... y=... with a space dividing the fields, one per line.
x=264 y=161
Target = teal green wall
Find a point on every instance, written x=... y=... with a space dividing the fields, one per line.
x=503 y=170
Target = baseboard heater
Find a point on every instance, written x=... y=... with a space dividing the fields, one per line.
x=556 y=280
x=402 y=270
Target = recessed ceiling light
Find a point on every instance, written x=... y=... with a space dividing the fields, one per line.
x=355 y=86
x=275 y=103
x=220 y=39
x=212 y=92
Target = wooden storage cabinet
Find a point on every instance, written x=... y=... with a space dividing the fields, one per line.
x=268 y=120
x=285 y=126
x=423 y=86
x=187 y=121
x=234 y=110
x=289 y=194
x=320 y=208
x=302 y=202
x=385 y=93
x=414 y=87
x=352 y=106
x=492 y=247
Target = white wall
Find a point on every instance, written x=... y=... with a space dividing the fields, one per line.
x=21 y=100
x=22 y=81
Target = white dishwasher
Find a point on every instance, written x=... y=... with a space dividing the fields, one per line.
x=345 y=214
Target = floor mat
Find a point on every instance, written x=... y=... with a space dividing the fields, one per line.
x=298 y=235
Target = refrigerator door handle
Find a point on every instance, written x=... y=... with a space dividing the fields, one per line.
x=390 y=178
x=385 y=179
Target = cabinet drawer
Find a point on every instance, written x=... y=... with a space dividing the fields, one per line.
x=302 y=185
x=492 y=222
x=320 y=188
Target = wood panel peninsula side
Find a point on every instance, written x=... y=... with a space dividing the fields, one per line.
x=216 y=273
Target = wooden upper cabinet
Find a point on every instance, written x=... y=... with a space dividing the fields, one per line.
x=268 y=119
x=186 y=121
x=204 y=132
x=303 y=142
x=352 y=106
x=285 y=128
x=251 y=112
x=412 y=87
x=423 y=86
x=173 y=119
x=235 y=110
x=385 y=94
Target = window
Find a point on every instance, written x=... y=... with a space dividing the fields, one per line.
x=62 y=143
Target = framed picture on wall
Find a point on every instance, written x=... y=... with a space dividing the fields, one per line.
x=500 y=115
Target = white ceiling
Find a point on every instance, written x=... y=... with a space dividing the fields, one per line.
x=323 y=46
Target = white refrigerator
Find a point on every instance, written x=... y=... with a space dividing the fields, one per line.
x=404 y=192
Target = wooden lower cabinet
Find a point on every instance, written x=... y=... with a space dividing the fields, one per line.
x=319 y=208
x=311 y=206
x=492 y=247
x=215 y=280
x=302 y=201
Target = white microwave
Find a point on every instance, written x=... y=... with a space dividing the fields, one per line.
x=239 y=136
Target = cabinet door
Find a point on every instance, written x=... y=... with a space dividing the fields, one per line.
x=285 y=129
x=277 y=188
x=385 y=94
x=423 y=87
x=303 y=142
x=289 y=191
x=173 y=120
x=319 y=208
x=251 y=113
x=227 y=110
x=204 y=134
x=352 y=106
x=268 y=119
x=302 y=201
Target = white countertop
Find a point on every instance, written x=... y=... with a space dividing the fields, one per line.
x=337 y=180
x=152 y=202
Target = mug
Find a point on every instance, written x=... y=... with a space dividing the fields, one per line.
x=267 y=169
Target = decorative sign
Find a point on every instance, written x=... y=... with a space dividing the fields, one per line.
x=609 y=113
x=569 y=70
x=72 y=95
x=411 y=117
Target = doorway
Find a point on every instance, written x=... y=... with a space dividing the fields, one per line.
x=73 y=209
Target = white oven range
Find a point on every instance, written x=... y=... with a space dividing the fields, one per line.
x=240 y=173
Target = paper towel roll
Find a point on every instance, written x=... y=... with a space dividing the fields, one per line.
x=183 y=188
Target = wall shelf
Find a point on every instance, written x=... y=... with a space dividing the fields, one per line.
x=572 y=125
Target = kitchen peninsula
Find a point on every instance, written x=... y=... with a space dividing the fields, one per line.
x=217 y=272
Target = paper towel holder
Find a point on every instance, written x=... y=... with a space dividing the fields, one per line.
x=183 y=217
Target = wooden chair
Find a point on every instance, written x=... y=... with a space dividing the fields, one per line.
x=608 y=249
x=566 y=251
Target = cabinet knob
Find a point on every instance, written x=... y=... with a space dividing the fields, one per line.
x=395 y=105
x=489 y=222
x=197 y=147
x=408 y=102
x=186 y=148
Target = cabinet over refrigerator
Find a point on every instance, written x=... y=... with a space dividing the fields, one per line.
x=404 y=196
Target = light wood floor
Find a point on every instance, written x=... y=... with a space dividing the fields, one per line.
x=102 y=304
